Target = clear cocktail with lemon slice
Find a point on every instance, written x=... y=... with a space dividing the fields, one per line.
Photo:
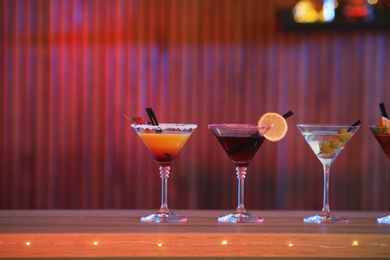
x=241 y=142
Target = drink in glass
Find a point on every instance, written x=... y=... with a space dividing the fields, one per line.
x=164 y=142
x=327 y=142
x=240 y=142
x=382 y=135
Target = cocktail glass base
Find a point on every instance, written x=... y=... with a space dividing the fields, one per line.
x=168 y=217
x=240 y=218
x=328 y=218
x=384 y=220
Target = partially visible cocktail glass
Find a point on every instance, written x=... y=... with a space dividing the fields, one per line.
x=326 y=141
x=164 y=142
x=383 y=138
x=240 y=142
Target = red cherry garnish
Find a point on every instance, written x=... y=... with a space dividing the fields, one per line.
x=135 y=119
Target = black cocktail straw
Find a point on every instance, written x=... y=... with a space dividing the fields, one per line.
x=383 y=110
x=151 y=116
x=288 y=114
x=354 y=124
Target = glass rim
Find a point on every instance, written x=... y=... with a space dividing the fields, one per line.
x=238 y=126
x=328 y=125
x=378 y=130
x=164 y=126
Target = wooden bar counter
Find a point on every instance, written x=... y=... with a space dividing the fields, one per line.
x=121 y=234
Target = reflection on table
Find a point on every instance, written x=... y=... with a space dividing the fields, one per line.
x=120 y=233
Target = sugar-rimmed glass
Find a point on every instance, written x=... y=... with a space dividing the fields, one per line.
x=240 y=142
x=164 y=142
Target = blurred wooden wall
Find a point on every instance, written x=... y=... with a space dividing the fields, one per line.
x=69 y=70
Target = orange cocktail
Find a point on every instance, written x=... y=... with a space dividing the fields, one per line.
x=164 y=147
x=164 y=142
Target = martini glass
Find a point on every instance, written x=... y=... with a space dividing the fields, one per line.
x=327 y=142
x=384 y=142
x=164 y=142
x=240 y=142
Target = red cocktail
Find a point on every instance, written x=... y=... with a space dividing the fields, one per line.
x=241 y=149
x=383 y=140
x=382 y=135
x=240 y=142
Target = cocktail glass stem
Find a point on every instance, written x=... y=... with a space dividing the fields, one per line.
x=164 y=214
x=164 y=174
x=241 y=172
x=325 y=204
x=240 y=215
x=326 y=216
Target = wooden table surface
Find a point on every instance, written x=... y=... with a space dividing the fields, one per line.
x=120 y=234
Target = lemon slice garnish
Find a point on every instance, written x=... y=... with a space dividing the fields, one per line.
x=278 y=126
